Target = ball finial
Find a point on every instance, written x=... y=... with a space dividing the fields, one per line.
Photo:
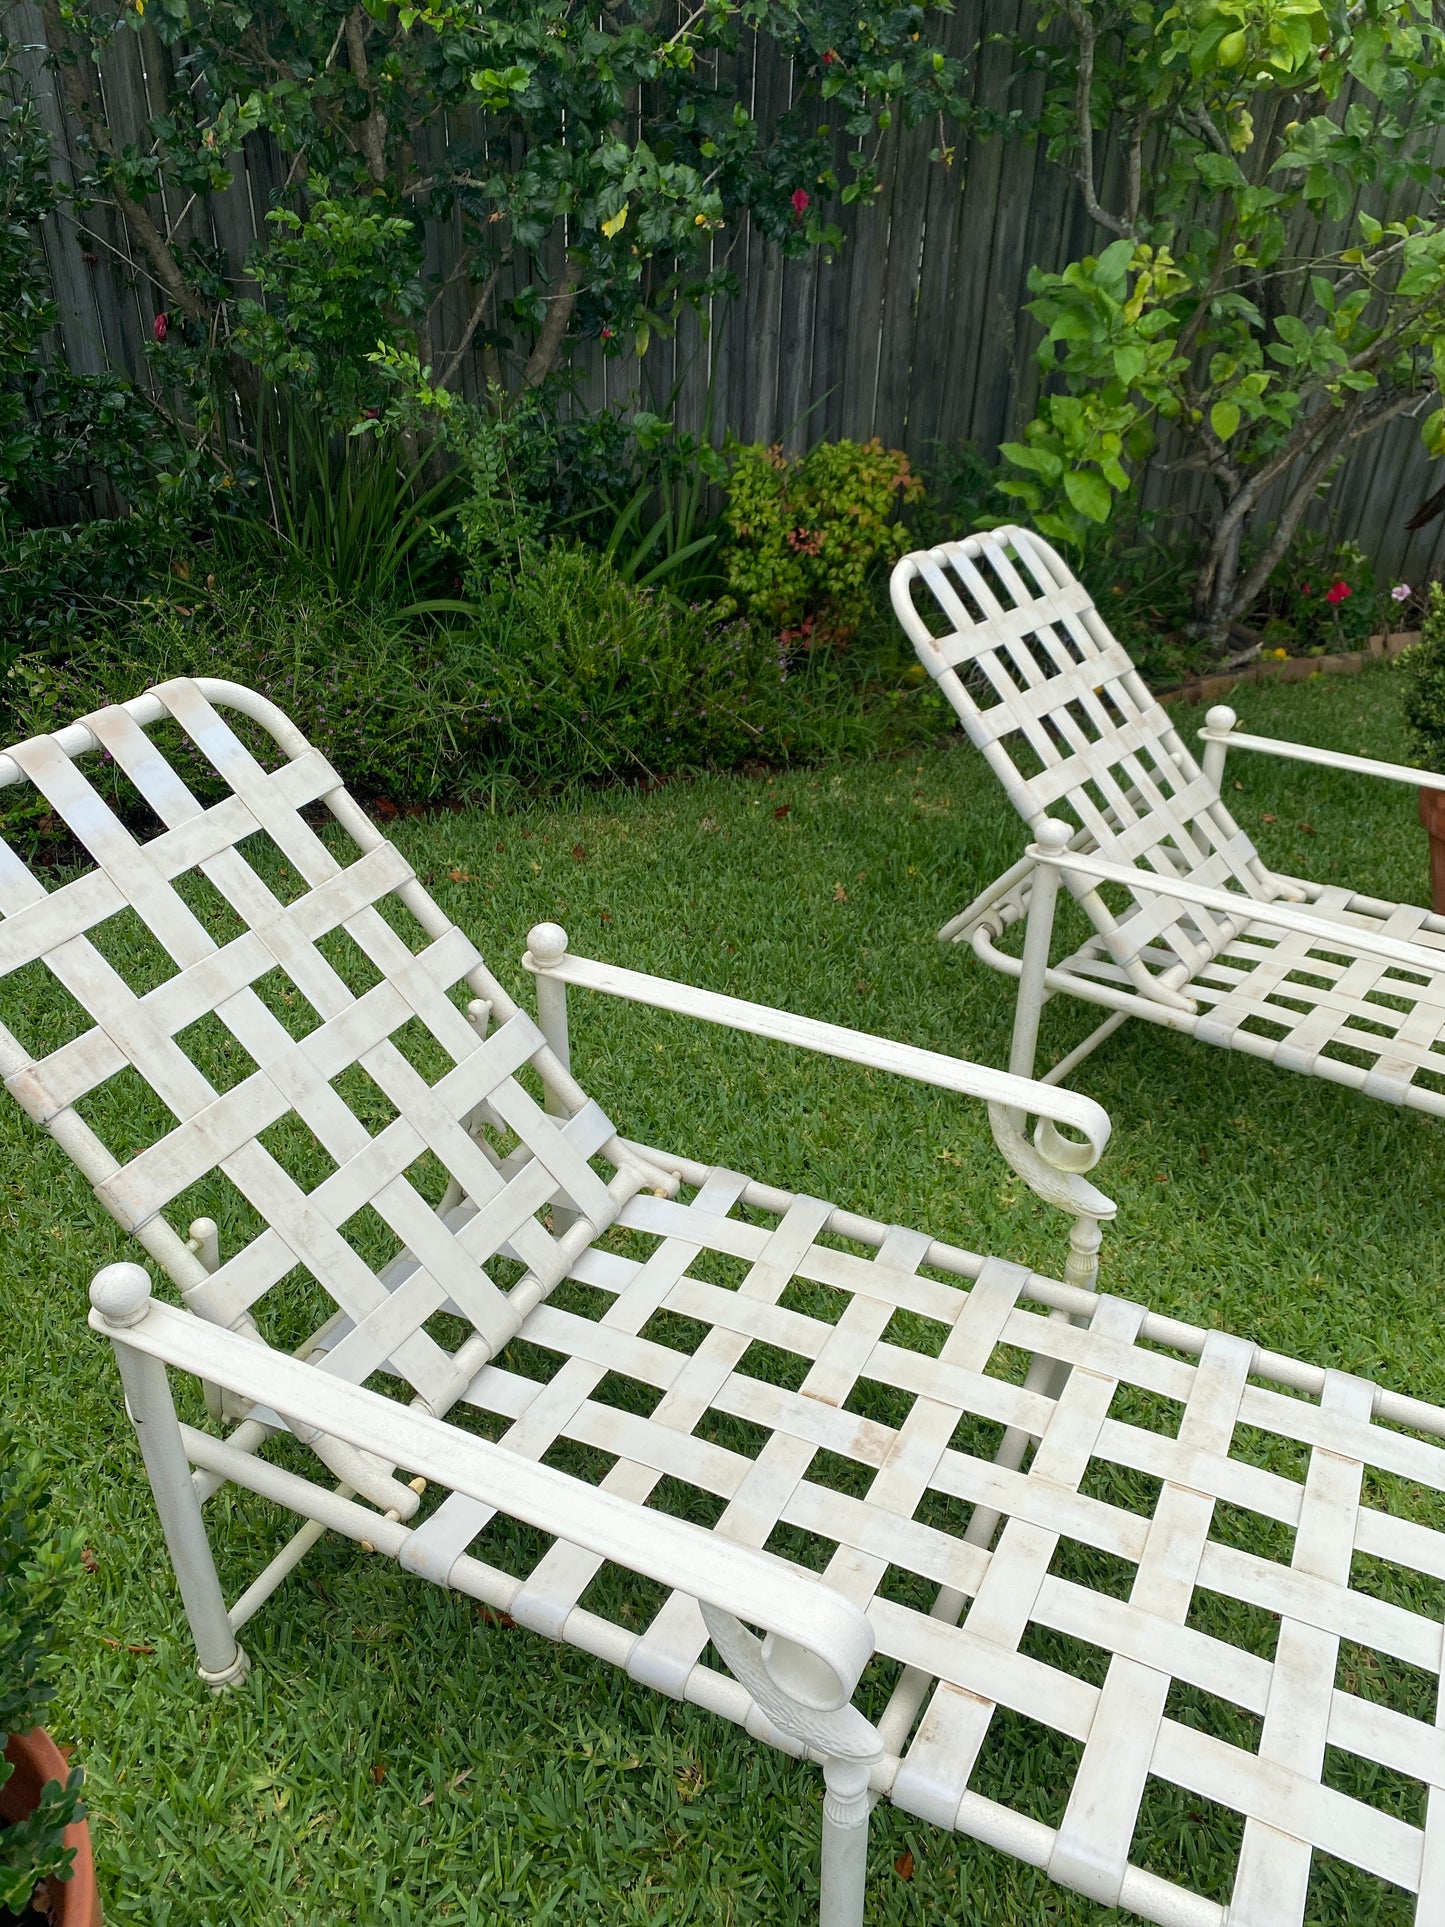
x=1051 y=834
x=1220 y=717
x=546 y=944
x=121 y=1294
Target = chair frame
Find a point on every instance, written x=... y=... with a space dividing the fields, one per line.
x=1050 y=1418
x=1213 y=943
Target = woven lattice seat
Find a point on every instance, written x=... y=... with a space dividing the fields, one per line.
x=982 y=1517
x=1315 y=978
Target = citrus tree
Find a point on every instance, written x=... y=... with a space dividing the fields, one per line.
x=1215 y=331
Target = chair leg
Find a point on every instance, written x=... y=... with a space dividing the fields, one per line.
x=1082 y=1268
x=845 y=1843
x=221 y=1660
x=1038 y=934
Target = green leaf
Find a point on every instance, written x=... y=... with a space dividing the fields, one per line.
x=1039 y=461
x=1323 y=292
x=1089 y=493
x=1224 y=419
x=1130 y=362
x=1112 y=268
x=1218 y=171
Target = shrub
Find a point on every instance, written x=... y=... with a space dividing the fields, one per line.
x=565 y=672
x=1423 y=668
x=580 y=675
x=34 y=1565
x=807 y=531
x=1323 y=597
x=376 y=697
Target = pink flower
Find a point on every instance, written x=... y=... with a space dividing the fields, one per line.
x=1401 y=592
x=1337 y=592
x=801 y=200
x=158 y=327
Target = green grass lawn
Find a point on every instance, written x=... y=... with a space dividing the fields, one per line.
x=397 y=1759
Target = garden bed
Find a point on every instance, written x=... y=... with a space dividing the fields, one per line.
x=1211 y=689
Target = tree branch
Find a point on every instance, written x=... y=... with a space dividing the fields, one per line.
x=454 y=359
x=1084 y=117
x=1203 y=128
x=1300 y=497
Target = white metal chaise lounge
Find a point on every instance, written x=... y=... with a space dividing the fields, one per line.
x=1210 y=1569
x=1190 y=929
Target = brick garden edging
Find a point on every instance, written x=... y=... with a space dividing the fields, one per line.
x=1209 y=689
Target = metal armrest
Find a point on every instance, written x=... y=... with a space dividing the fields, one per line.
x=1280 y=916
x=749 y=1584
x=1219 y=731
x=1001 y=1088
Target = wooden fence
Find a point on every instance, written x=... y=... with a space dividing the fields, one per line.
x=913 y=331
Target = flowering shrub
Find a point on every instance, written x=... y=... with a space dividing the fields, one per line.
x=627 y=153
x=1322 y=598
x=807 y=531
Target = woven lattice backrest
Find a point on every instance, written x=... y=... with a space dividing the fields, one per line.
x=235 y=1012
x=1014 y=641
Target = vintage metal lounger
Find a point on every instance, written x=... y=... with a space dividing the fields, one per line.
x=364 y=1172
x=1190 y=929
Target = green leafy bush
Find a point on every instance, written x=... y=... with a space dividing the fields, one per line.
x=807 y=531
x=36 y=1560
x=580 y=675
x=562 y=672
x=1423 y=668
x=379 y=699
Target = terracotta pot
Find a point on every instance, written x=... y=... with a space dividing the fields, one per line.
x=36 y=1758
x=1432 y=815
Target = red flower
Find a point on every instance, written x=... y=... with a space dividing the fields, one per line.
x=158 y=327
x=830 y=58
x=1337 y=592
x=801 y=200
x=608 y=333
